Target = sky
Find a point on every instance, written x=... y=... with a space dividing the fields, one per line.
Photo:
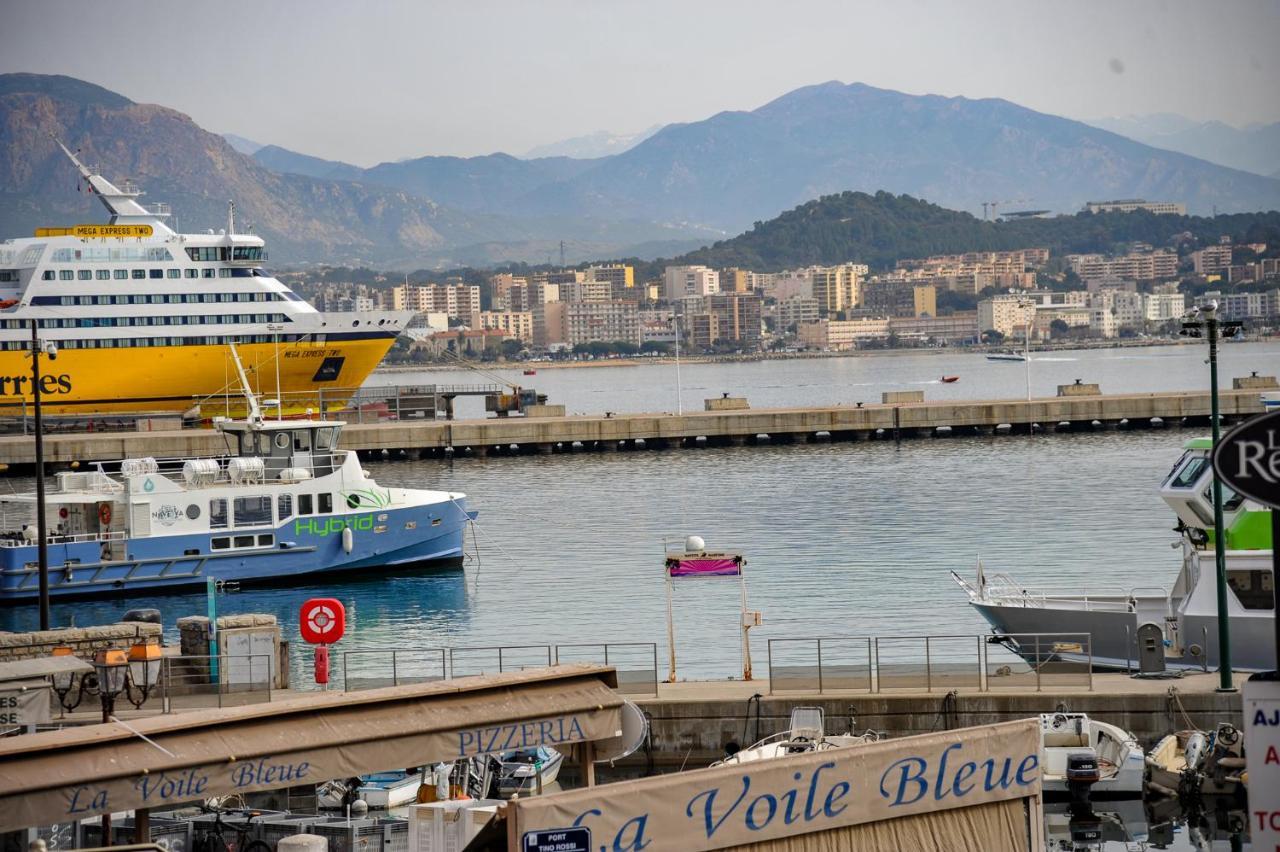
x=378 y=80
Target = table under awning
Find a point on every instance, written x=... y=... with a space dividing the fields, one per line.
x=57 y=776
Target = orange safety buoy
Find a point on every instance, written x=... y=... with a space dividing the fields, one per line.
x=104 y=514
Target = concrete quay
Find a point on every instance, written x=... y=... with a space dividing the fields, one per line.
x=532 y=435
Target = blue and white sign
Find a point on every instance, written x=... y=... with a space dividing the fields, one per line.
x=1262 y=757
x=557 y=840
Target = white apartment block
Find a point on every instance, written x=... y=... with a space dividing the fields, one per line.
x=1008 y=314
x=1126 y=308
x=456 y=300
x=681 y=281
x=517 y=324
x=1162 y=307
x=1128 y=205
x=1139 y=266
x=839 y=335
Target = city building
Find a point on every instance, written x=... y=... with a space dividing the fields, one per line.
x=620 y=277
x=1162 y=307
x=1010 y=314
x=899 y=299
x=837 y=288
x=456 y=300
x=500 y=287
x=681 y=281
x=1211 y=259
x=517 y=324
x=575 y=323
x=795 y=311
x=1128 y=205
x=960 y=327
x=1138 y=266
x=523 y=297
x=737 y=318
x=840 y=335
x=734 y=280
x=586 y=291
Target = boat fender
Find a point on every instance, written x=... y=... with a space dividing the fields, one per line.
x=348 y=539
x=104 y=514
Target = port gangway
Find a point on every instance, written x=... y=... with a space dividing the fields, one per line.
x=960 y=663
x=636 y=663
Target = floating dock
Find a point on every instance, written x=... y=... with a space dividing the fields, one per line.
x=539 y=435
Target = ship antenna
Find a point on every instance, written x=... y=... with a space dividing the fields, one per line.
x=255 y=413
x=231 y=218
x=84 y=170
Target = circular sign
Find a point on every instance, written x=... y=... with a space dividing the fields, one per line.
x=1248 y=459
x=322 y=621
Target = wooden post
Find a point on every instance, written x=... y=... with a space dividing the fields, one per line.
x=142 y=825
x=588 y=752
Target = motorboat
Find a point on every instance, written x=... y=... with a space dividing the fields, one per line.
x=1271 y=401
x=947 y=380
x=1190 y=764
x=527 y=770
x=1184 y=615
x=531 y=372
x=806 y=733
x=284 y=503
x=1083 y=757
x=1005 y=356
x=1080 y=826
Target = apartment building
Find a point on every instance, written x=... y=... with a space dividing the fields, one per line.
x=795 y=311
x=1008 y=314
x=837 y=288
x=1242 y=306
x=574 y=323
x=1211 y=259
x=1138 y=266
x=1162 y=307
x=681 y=281
x=620 y=277
x=899 y=299
x=734 y=280
x=958 y=327
x=586 y=291
x=456 y=300
x=517 y=324
x=841 y=335
x=1128 y=205
x=524 y=297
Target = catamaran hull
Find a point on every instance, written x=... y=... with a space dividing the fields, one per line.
x=411 y=538
x=1114 y=639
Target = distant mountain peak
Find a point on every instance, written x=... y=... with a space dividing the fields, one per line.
x=590 y=146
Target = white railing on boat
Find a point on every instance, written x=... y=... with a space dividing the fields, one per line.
x=100 y=481
x=1090 y=600
x=118 y=535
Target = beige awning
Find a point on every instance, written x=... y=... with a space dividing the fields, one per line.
x=60 y=775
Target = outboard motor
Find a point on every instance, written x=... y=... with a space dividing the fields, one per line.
x=1082 y=774
x=1197 y=745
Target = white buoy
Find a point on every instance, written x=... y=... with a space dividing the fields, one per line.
x=348 y=539
x=694 y=544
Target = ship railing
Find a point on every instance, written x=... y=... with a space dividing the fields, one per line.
x=172 y=468
x=636 y=663
x=1101 y=599
x=965 y=662
x=15 y=539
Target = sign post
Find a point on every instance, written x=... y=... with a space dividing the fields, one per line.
x=1248 y=460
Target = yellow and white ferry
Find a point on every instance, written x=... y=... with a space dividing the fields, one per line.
x=141 y=317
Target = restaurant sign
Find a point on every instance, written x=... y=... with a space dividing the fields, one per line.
x=1248 y=459
x=737 y=804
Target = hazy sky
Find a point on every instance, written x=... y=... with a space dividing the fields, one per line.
x=370 y=81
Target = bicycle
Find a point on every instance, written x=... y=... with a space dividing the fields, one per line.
x=213 y=838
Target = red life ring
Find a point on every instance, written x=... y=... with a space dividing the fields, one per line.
x=104 y=514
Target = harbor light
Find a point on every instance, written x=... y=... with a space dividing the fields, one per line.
x=144 y=667
x=112 y=667
x=63 y=681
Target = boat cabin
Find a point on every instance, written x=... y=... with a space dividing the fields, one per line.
x=287 y=447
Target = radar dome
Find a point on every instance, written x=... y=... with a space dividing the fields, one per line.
x=694 y=544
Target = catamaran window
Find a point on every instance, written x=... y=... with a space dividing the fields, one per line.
x=304 y=505
x=205 y=253
x=1254 y=589
x=84 y=274
x=326 y=503
x=284 y=507
x=244 y=541
x=302 y=441
x=1190 y=473
x=66 y=274
x=120 y=274
x=218 y=514
x=220 y=543
x=323 y=438
x=1230 y=499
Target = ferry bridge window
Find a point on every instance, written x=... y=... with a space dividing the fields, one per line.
x=1230 y=499
x=302 y=441
x=284 y=507
x=326 y=503
x=218 y=514
x=47 y=275
x=324 y=438
x=1252 y=588
x=305 y=505
x=1190 y=472
x=252 y=511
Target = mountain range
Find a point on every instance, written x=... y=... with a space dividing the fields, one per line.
x=1255 y=148
x=677 y=189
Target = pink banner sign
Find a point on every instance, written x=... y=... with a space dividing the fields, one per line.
x=704 y=567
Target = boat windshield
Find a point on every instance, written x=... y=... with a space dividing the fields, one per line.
x=1190 y=472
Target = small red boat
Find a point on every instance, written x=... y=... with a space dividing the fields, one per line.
x=946 y=380
x=531 y=372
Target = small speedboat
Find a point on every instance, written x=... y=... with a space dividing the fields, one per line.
x=531 y=372
x=528 y=770
x=1084 y=757
x=379 y=790
x=806 y=733
x=1190 y=764
x=1005 y=356
x=946 y=380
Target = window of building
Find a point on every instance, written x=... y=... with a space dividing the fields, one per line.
x=284 y=507
x=1252 y=588
x=305 y=505
x=252 y=511
x=217 y=513
x=326 y=503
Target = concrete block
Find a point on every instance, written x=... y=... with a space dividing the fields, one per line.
x=893 y=397
x=303 y=843
x=1254 y=382
x=544 y=411
x=726 y=403
x=1079 y=389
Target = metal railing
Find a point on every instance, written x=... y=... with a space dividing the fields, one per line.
x=636 y=663
x=878 y=664
x=189 y=682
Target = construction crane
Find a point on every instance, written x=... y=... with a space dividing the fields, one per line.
x=991 y=206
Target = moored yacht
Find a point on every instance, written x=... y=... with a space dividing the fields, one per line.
x=284 y=503
x=1185 y=614
x=141 y=316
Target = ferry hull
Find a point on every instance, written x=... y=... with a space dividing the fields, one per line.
x=1114 y=647
x=303 y=548
x=174 y=379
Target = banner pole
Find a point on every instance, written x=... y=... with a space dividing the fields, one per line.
x=671 y=628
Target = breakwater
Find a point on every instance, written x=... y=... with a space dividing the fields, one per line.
x=610 y=431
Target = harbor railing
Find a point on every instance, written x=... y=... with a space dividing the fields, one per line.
x=976 y=663
x=193 y=682
x=636 y=663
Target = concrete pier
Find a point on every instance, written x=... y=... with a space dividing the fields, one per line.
x=857 y=421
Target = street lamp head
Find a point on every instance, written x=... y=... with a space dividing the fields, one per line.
x=112 y=667
x=63 y=681
x=144 y=664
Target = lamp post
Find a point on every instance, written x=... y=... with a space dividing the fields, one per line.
x=1208 y=325
x=675 y=323
x=42 y=543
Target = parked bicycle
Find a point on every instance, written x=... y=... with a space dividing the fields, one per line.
x=236 y=836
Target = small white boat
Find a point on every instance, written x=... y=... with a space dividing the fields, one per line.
x=806 y=733
x=1005 y=356
x=389 y=789
x=528 y=770
x=1085 y=757
x=1191 y=764
x=1271 y=401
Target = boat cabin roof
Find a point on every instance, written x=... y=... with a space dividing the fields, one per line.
x=1198 y=444
x=277 y=425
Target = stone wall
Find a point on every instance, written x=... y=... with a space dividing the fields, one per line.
x=726 y=403
x=1079 y=389
x=894 y=397
x=1254 y=382
x=85 y=641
